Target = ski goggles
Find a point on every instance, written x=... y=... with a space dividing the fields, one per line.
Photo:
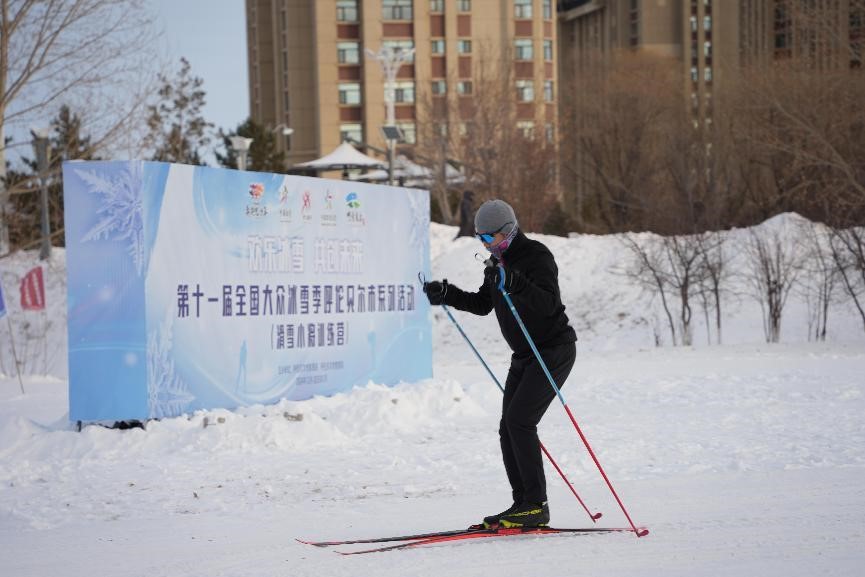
x=488 y=237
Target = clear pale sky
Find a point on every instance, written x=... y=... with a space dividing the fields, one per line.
x=211 y=34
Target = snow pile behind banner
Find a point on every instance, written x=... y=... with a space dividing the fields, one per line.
x=196 y=287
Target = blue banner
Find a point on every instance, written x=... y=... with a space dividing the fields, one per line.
x=196 y=288
x=2 y=303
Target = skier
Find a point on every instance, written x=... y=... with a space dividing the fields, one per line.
x=526 y=270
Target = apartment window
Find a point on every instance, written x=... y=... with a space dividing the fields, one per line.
x=436 y=5
x=351 y=131
x=439 y=87
x=550 y=132
x=707 y=23
x=525 y=90
x=707 y=49
x=548 y=50
x=464 y=5
x=346 y=10
x=693 y=23
x=409 y=133
x=464 y=46
x=523 y=9
x=526 y=128
x=396 y=9
x=349 y=93
x=695 y=76
x=524 y=49
x=634 y=22
x=403 y=92
x=548 y=9
x=438 y=46
x=401 y=45
x=707 y=74
x=548 y=91
x=348 y=52
x=464 y=87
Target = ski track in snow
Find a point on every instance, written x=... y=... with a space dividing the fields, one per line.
x=742 y=459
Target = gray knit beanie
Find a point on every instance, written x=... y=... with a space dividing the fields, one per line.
x=493 y=215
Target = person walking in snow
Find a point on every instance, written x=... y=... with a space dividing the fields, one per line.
x=530 y=277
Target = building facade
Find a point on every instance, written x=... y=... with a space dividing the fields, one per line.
x=711 y=39
x=310 y=67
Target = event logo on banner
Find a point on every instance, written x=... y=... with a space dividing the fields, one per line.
x=196 y=288
x=33 y=290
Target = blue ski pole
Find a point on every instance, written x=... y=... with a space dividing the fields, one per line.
x=639 y=532
x=594 y=516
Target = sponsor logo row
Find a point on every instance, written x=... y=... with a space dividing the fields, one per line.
x=304 y=206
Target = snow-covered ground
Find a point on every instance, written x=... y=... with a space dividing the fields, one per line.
x=745 y=459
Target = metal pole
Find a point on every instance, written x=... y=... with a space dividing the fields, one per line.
x=241 y=145
x=390 y=154
x=40 y=145
x=14 y=355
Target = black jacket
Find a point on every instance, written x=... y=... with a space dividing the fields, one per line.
x=539 y=303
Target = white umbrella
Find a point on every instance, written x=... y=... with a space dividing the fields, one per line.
x=343 y=157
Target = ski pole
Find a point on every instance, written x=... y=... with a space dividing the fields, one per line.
x=594 y=516
x=510 y=303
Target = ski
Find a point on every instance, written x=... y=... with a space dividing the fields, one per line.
x=416 y=540
x=389 y=539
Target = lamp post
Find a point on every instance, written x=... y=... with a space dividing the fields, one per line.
x=282 y=129
x=40 y=146
x=241 y=145
x=390 y=59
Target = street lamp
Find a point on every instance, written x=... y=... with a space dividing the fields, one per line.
x=282 y=129
x=390 y=58
x=40 y=146
x=241 y=145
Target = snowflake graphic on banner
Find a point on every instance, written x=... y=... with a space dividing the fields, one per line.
x=167 y=394
x=419 y=232
x=119 y=216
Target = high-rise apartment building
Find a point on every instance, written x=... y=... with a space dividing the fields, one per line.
x=309 y=67
x=711 y=38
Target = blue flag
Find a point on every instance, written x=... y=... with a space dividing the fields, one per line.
x=2 y=303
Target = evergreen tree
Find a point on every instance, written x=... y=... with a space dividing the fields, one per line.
x=177 y=130
x=66 y=143
x=264 y=155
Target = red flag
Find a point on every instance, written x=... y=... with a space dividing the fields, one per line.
x=33 y=290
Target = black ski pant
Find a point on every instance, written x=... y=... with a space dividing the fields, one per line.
x=528 y=394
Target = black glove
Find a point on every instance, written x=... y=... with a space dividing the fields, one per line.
x=435 y=291
x=500 y=277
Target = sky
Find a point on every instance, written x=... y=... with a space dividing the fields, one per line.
x=211 y=34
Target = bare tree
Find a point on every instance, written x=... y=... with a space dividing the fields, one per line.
x=504 y=145
x=713 y=278
x=847 y=247
x=648 y=269
x=613 y=139
x=89 y=54
x=771 y=271
x=820 y=276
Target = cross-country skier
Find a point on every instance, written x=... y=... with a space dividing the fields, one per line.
x=526 y=270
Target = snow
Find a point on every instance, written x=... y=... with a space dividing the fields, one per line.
x=741 y=459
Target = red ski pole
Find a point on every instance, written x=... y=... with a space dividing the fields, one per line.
x=639 y=532
x=594 y=516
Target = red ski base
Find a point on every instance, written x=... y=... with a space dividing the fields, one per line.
x=473 y=532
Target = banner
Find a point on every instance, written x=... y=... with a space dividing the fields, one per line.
x=33 y=290
x=195 y=288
